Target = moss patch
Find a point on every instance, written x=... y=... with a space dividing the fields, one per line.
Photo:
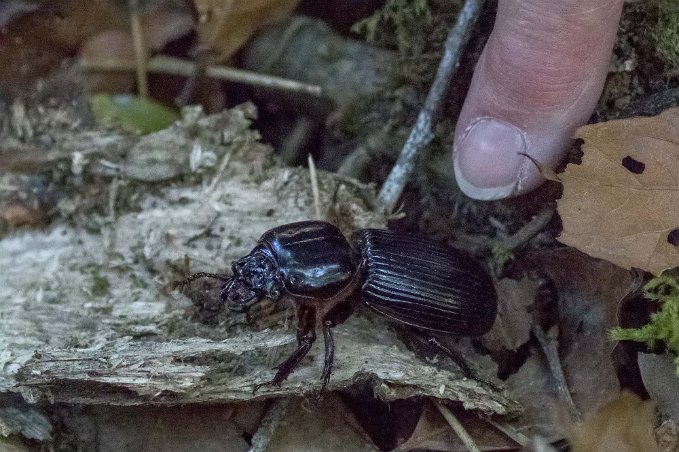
x=667 y=32
x=664 y=324
x=100 y=285
x=399 y=22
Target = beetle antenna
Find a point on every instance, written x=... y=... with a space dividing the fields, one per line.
x=187 y=282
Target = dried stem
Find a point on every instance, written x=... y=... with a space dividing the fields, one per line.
x=457 y=427
x=185 y=68
x=530 y=229
x=276 y=413
x=551 y=350
x=314 y=187
x=220 y=171
x=139 y=49
x=515 y=435
x=422 y=132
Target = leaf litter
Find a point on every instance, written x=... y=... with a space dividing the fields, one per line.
x=580 y=315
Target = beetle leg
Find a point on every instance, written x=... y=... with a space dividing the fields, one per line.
x=289 y=365
x=306 y=336
x=306 y=318
x=329 y=353
x=338 y=314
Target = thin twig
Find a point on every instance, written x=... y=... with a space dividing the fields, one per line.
x=273 y=417
x=314 y=187
x=530 y=229
x=220 y=170
x=550 y=349
x=457 y=427
x=515 y=435
x=204 y=232
x=294 y=141
x=357 y=162
x=176 y=66
x=139 y=49
x=422 y=133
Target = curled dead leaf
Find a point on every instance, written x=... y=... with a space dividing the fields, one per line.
x=623 y=424
x=225 y=25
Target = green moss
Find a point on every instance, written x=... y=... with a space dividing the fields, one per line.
x=399 y=20
x=667 y=32
x=501 y=255
x=664 y=324
x=100 y=285
x=72 y=342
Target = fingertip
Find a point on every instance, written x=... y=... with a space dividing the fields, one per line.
x=531 y=89
x=489 y=161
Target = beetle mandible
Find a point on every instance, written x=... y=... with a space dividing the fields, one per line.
x=407 y=278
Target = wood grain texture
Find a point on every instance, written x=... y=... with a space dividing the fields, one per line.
x=88 y=316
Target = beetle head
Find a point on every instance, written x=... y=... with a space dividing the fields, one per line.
x=255 y=276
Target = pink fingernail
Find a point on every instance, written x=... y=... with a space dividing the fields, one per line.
x=488 y=163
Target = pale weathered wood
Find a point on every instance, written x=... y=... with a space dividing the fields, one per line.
x=87 y=312
x=199 y=370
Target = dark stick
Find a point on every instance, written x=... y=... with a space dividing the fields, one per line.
x=550 y=349
x=422 y=132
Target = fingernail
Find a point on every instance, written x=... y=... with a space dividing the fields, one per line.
x=488 y=160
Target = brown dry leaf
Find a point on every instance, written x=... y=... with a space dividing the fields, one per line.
x=225 y=25
x=36 y=42
x=534 y=387
x=318 y=424
x=588 y=294
x=625 y=424
x=431 y=432
x=589 y=291
x=619 y=214
x=514 y=318
x=146 y=428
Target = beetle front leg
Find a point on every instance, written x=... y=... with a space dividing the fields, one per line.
x=306 y=336
x=306 y=321
x=329 y=353
x=289 y=365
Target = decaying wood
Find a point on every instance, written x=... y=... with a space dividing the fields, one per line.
x=89 y=316
x=125 y=371
x=16 y=417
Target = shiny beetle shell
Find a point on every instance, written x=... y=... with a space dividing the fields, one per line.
x=410 y=279
x=424 y=283
x=314 y=258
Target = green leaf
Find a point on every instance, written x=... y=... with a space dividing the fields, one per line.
x=133 y=113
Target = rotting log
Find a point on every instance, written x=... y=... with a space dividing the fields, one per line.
x=88 y=316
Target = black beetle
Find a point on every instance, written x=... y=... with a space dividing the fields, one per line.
x=413 y=280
